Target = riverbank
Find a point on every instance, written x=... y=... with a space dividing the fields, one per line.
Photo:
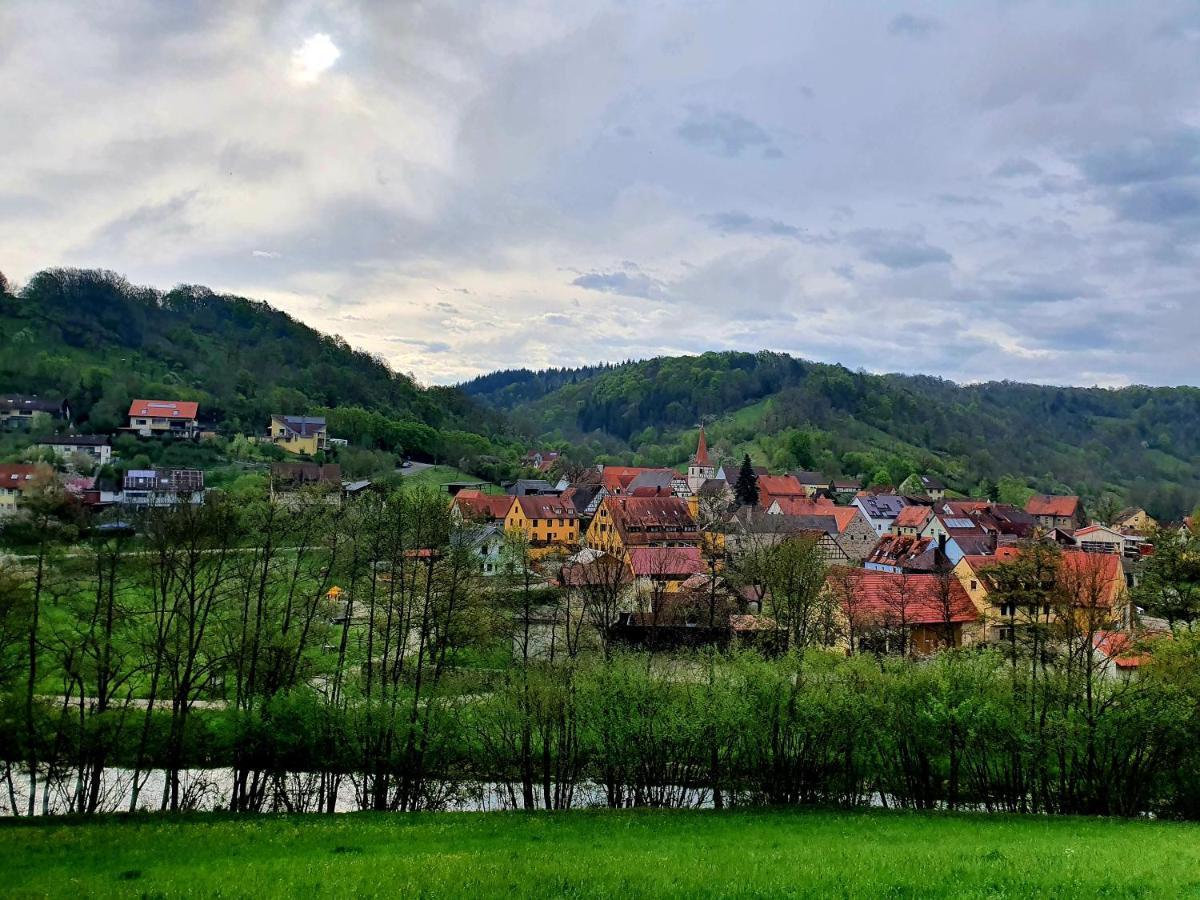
x=602 y=854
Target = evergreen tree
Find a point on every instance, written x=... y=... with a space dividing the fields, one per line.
x=746 y=489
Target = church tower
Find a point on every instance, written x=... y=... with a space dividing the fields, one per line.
x=700 y=469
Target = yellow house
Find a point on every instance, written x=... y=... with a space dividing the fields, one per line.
x=546 y=522
x=622 y=523
x=18 y=480
x=298 y=434
x=1134 y=519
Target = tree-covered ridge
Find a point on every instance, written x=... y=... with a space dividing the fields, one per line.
x=1140 y=444
x=93 y=338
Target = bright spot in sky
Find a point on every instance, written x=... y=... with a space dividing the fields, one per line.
x=313 y=57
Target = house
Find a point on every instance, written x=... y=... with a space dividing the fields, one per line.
x=17 y=411
x=781 y=487
x=813 y=483
x=585 y=497
x=476 y=506
x=164 y=418
x=542 y=460
x=1056 y=512
x=17 y=481
x=700 y=468
x=1103 y=539
x=887 y=612
x=154 y=488
x=290 y=477
x=751 y=529
x=530 y=487
x=67 y=446
x=903 y=553
x=656 y=570
x=912 y=520
x=924 y=486
x=880 y=510
x=298 y=434
x=1136 y=520
x=1090 y=583
x=547 y=523
x=657 y=521
x=958 y=534
x=844 y=489
x=486 y=544
x=855 y=535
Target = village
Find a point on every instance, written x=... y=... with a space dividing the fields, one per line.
x=680 y=557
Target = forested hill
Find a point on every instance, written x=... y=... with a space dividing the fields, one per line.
x=1139 y=445
x=93 y=338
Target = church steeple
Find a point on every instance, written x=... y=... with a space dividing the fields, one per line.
x=701 y=468
x=701 y=457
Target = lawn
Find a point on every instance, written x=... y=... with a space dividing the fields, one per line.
x=604 y=854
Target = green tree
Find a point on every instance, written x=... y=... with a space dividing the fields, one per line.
x=746 y=488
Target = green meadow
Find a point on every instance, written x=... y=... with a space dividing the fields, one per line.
x=602 y=854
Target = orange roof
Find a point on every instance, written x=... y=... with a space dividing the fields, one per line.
x=1048 y=505
x=913 y=516
x=617 y=478
x=474 y=504
x=776 y=487
x=883 y=598
x=164 y=409
x=803 y=506
x=651 y=519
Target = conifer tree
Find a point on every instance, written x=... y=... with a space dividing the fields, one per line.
x=746 y=489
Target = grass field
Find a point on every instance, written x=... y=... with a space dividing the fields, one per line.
x=603 y=854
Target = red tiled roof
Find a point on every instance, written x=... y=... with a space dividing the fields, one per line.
x=20 y=477
x=881 y=598
x=164 y=409
x=617 y=478
x=473 y=504
x=1047 y=505
x=666 y=562
x=544 y=506
x=778 y=487
x=803 y=506
x=649 y=519
x=913 y=516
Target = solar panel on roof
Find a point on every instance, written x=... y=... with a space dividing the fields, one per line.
x=959 y=523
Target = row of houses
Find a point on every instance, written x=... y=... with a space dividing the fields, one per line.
x=674 y=535
x=139 y=488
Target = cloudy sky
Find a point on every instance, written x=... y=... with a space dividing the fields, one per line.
x=976 y=190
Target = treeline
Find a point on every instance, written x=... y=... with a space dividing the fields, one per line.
x=94 y=339
x=316 y=651
x=1140 y=443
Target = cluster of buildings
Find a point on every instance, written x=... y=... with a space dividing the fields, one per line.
x=910 y=566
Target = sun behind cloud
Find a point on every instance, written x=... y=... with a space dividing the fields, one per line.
x=314 y=57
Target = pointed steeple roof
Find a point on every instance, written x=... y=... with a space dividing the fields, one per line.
x=701 y=457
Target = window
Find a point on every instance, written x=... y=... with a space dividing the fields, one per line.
x=1008 y=609
x=1005 y=633
x=974 y=584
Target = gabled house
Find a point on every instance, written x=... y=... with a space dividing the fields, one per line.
x=66 y=446
x=855 y=535
x=958 y=534
x=749 y=529
x=162 y=487
x=880 y=510
x=17 y=481
x=903 y=553
x=17 y=411
x=1103 y=539
x=732 y=468
x=1136 y=520
x=924 y=486
x=844 y=489
x=547 y=523
x=621 y=523
x=476 y=506
x=315 y=478
x=663 y=569
x=526 y=487
x=780 y=487
x=912 y=520
x=164 y=418
x=542 y=460
x=890 y=612
x=486 y=543
x=1056 y=512
x=298 y=434
x=813 y=483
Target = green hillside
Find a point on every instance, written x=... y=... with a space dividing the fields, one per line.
x=93 y=338
x=1138 y=444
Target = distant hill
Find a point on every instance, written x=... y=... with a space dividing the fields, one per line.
x=1138 y=445
x=93 y=338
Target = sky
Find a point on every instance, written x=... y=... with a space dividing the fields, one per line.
x=976 y=190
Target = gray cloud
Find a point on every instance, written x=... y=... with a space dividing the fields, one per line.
x=908 y=25
x=725 y=133
x=896 y=249
x=736 y=222
x=1017 y=168
x=630 y=284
